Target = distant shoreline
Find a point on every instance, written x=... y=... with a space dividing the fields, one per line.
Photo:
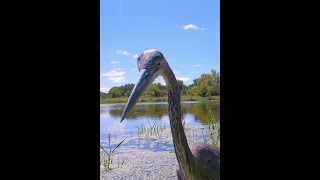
x=158 y=99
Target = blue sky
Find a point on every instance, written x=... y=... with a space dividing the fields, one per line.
x=187 y=32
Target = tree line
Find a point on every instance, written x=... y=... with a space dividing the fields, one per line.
x=206 y=85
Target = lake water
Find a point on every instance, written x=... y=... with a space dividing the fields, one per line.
x=194 y=113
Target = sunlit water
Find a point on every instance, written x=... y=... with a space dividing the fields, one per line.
x=195 y=114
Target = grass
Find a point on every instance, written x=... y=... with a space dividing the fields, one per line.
x=106 y=157
x=209 y=136
x=151 y=134
x=214 y=131
x=158 y=99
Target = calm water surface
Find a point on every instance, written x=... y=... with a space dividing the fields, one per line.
x=194 y=113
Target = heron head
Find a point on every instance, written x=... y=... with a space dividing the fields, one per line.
x=150 y=64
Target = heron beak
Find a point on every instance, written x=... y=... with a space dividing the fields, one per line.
x=145 y=80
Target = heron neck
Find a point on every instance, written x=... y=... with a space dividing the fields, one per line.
x=182 y=150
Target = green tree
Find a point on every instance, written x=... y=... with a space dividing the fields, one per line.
x=127 y=89
x=195 y=91
x=203 y=83
x=154 y=90
x=103 y=95
x=215 y=81
x=115 y=92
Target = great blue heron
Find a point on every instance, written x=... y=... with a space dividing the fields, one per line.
x=200 y=161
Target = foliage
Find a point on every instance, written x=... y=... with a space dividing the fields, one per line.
x=122 y=91
x=154 y=90
x=206 y=85
x=103 y=95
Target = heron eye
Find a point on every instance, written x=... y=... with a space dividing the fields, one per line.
x=158 y=64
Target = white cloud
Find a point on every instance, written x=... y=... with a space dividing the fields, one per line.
x=117 y=79
x=196 y=65
x=115 y=76
x=160 y=80
x=104 y=89
x=183 y=78
x=176 y=72
x=120 y=69
x=135 y=56
x=113 y=73
x=133 y=69
x=122 y=52
x=191 y=26
x=114 y=62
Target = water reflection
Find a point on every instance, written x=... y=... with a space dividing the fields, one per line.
x=194 y=113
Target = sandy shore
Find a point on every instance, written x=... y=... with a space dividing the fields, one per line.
x=141 y=164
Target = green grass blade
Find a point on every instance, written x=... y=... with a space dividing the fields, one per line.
x=103 y=149
x=118 y=145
